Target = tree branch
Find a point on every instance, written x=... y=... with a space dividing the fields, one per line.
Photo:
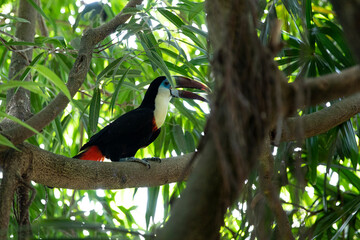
x=324 y=88
x=271 y=193
x=58 y=171
x=321 y=121
x=77 y=76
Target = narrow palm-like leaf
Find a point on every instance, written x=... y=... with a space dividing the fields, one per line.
x=117 y=90
x=18 y=121
x=6 y=142
x=94 y=110
x=51 y=76
x=153 y=194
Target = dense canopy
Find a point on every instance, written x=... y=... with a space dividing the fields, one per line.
x=276 y=148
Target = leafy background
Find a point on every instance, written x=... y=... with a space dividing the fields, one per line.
x=318 y=178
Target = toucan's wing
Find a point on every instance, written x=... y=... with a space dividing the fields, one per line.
x=127 y=128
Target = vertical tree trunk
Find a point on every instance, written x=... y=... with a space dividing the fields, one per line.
x=7 y=190
x=246 y=104
x=18 y=105
x=18 y=102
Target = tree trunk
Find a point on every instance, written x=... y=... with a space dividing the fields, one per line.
x=246 y=105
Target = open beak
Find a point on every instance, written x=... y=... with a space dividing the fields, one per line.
x=184 y=82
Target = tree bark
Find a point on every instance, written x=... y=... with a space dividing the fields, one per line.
x=200 y=212
x=18 y=102
x=7 y=190
x=246 y=104
x=321 y=121
x=54 y=170
x=18 y=105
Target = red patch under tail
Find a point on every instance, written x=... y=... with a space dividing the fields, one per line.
x=92 y=153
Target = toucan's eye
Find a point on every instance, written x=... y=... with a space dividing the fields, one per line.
x=166 y=83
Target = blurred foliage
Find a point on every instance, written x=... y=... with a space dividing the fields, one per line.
x=318 y=178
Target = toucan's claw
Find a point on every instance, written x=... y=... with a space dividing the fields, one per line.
x=153 y=159
x=138 y=160
x=184 y=82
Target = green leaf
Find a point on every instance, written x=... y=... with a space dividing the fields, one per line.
x=313 y=157
x=17 y=19
x=166 y=199
x=57 y=41
x=154 y=57
x=195 y=30
x=348 y=209
x=329 y=45
x=190 y=143
x=117 y=90
x=38 y=9
x=291 y=68
x=153 y=193
x=171 y=17
x=351 y=177
x=31 y=86
x=292 y=7
x=94 y=110
x=159 y=145
x=21 y=43
x=348 y=146
x=51 y=76
x=113 y=66
x=58 y=130
x=18 y=121
x=179 y=138
x=346 y=222
x=185 y=112
x=308 y=13
x=33 y=63
x=179 y=24
x=6 y=142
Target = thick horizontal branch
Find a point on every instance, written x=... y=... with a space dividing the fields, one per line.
x=58 y=171
x=76 y=78
x=321 y=121
x=325 y=88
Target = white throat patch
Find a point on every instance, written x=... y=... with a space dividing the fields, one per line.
x=161 y=106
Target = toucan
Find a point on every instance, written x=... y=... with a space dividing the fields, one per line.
x=121 y=139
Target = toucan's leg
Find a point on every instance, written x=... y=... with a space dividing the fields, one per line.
x=133 y=159
x=153 y=159
x=144 y=161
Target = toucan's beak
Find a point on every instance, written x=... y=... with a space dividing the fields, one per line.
x=184 y=82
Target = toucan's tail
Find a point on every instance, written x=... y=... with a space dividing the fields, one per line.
x=91 y=153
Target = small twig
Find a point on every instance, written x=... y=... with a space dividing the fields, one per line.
x=13 y=49
x=106 y=102
x=271 y=192
x=303 y=208
x=231 y=231
x=275 y=44
x=9 y=35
